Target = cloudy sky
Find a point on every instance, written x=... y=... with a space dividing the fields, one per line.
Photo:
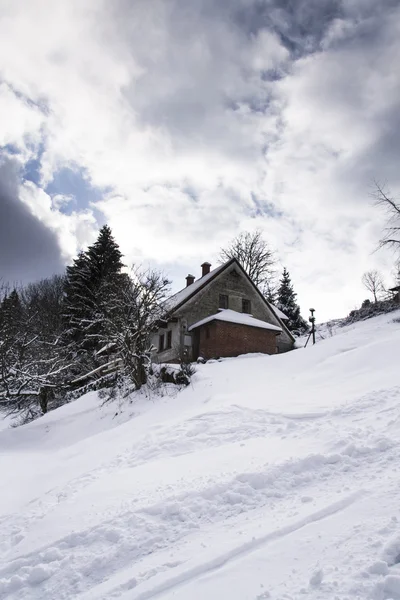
x=183 y=122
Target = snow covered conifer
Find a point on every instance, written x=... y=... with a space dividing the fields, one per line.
x=78 y=305
x=93 y=283
x=104 y=257
x=287 y=303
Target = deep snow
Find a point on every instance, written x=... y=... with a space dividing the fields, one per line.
x=269 y=477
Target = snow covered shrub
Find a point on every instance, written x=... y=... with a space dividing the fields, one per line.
x=369 y=310
x=329 y=328
x=120 y=389
x=185 y=373
x=167 y=375
x=178 y=376
x=29 y=414
x=159 y=379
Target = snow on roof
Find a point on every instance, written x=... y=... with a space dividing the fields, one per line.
x=232 y=316
x=173 y=301
x=281 y=315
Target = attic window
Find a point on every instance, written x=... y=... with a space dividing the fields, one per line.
x=246 y=306
x=234 y=273
x=223 y=301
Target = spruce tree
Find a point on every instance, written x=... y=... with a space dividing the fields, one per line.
x=78 y=303
x=92 y=285
x=104 y=258
x=287 y=303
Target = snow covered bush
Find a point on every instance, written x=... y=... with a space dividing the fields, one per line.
x=159 y=379
x=369 y=310
x=178 y=375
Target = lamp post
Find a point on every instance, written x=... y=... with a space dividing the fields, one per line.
x=312 y=321
x=312 y=332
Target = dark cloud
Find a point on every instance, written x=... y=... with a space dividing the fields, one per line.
x=28 y=249
x=200 y=81
x=300 y=24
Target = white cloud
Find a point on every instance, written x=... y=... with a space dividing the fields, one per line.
x=194 y=116
x=74 y=230
x=19 y=122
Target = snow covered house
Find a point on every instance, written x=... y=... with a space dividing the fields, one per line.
x=222 y=313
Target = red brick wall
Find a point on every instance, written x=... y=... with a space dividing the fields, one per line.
x=232 y=339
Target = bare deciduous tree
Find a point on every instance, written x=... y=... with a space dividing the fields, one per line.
x=31 y=363
x=255 y=256
x=391 y=234
x=130 y=321
x=373 y=282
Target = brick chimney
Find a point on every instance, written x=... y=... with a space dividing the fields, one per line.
x=205 y=268
x=189 y=280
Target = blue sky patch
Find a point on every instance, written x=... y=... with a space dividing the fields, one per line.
x=75 y=184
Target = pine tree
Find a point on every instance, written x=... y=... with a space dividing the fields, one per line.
x=104 y=258
x=92 y=284
x=287 y=303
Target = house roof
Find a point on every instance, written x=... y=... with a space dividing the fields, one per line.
x=232 y=316
x=177 y=300
x=395 y=289
x=279 y=313
x=180 y=297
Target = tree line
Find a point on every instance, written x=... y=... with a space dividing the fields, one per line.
x=89 y=328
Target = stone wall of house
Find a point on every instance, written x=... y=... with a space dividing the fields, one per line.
x=220 y=338
x=232 y=283
x=172 y=354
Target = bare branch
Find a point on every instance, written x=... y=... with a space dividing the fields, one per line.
x=373 y=282
x=391 y=232
x=255 y=256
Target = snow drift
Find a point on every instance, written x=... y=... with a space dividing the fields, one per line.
x=268 y=477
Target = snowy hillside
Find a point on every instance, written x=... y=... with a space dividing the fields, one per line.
x=270 y=477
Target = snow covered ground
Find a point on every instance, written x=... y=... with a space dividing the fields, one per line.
x=269 y=477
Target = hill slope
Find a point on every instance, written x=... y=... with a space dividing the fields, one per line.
x=269 y=477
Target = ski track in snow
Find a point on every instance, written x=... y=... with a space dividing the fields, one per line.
x=158 y=526
x=141 y=545
x=244 y=549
